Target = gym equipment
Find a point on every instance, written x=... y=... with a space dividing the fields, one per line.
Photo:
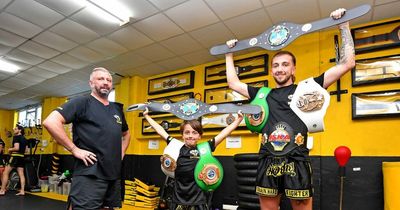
x=280 y=35
x=190 y=109
x=208 y=172
x=342 y=155
x=31 y=170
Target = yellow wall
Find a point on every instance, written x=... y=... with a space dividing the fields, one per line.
x=6 y=126
x=313 y=53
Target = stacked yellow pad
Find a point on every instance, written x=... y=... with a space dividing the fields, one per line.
x=139 y=194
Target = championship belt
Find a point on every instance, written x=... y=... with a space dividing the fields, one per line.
x=256 y=122
x=170 y=156
x=222 y=120
x=190 y=109
x=208 y=172
x=281 y=35
x=310 y=102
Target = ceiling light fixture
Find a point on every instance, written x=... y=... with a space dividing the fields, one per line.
x=7 y=66
x=112 y=8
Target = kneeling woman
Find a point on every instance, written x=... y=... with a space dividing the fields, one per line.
x=187 y=194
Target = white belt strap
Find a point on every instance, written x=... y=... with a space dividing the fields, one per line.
x=310 y=102
x=170 y=156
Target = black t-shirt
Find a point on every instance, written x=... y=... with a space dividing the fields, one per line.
x=97 y=128
x=281 y=116
x=186 y=191
x=2 y=161
x=3 y=145
x=22 y=143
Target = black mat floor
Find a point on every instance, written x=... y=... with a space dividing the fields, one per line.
x=10 y=201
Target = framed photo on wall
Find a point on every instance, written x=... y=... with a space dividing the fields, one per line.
x=170 y=123
x=245 y=68
x=170 y=83
x=226 y=95
x=377 y=37
x=376 y=70
x=376 y=104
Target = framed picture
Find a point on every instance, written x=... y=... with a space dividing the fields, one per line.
x=226 y=95
x=376 y=104
x=171 y=124
x=245 y=68
x=220 y=121
x=376 y=37
x=376 y=70
x=170 y=83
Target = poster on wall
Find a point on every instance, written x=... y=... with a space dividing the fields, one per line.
x=226 y=95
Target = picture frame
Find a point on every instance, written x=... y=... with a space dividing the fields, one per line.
x=170 y=123
x=180 y=81
x=245 y=68
x=226 y=95
x=376 y=70
x=376 y=104
x=376 y=37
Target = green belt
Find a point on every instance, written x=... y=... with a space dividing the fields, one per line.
x=256 y=122
x=208 y=172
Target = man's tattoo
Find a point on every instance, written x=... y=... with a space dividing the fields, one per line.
x=347 y=48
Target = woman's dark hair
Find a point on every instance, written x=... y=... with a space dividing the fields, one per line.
x=21 y=128
x=195 y=124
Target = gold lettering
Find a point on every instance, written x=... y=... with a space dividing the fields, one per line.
x=266 y=191
x=276 y=170
x=297 y=193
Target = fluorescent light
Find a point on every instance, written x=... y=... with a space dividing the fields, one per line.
x=7 y=66
x=111 y=9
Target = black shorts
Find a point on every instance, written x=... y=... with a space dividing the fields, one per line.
x=89 y=192
x=289 y=174
x=16 y=161
x=175 y=206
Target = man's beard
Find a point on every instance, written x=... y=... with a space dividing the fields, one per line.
x=102 y=92
x=284 y=80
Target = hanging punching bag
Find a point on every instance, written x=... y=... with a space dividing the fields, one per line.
x=342 y=155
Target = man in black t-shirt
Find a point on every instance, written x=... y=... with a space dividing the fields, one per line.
x=17 y=153
x=2 y=160
x=284 y=166
x=100 y=139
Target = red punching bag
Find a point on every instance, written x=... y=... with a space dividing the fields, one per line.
x=342 y=155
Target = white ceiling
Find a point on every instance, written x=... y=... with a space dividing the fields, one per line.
x=58 y=42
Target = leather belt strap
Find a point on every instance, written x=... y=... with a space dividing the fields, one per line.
x=310 y=102
x=208 y=172
x=170 y=156
x=281 y=35
x=256 y=122
x=190 y=109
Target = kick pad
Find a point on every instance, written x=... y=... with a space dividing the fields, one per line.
x=280 y=35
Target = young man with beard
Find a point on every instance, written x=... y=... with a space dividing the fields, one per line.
x=100 y=139
x=295 y=180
